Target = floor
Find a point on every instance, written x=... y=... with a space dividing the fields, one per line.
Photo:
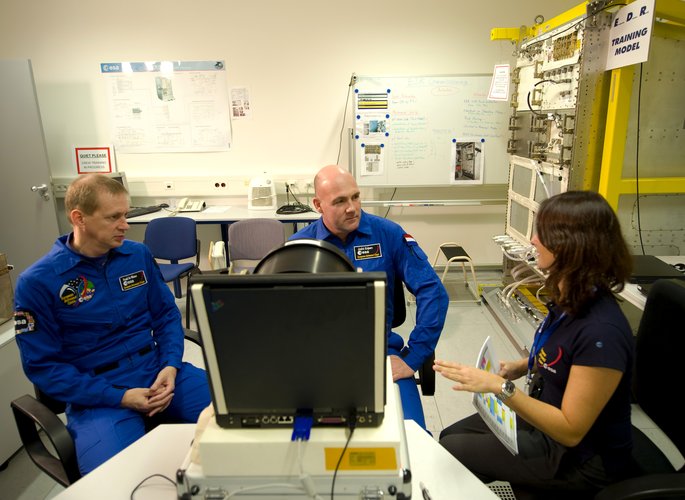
x=466 y=328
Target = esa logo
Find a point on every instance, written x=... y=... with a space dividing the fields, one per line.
x=110 y=67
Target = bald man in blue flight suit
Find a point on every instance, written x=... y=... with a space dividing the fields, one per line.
x=376 y=244
x=99 y=329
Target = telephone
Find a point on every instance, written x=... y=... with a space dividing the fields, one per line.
x=188 y=205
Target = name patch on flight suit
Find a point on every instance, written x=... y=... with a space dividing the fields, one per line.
x=24 y=322
x=363 y=252
x=131 y=281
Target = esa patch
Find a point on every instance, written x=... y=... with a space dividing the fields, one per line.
x=131 y=281
x=24 y=322
x=364 y=252
x=76 y=291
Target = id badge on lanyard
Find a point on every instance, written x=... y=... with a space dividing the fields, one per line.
x=542 y=334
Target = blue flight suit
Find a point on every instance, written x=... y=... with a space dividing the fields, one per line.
x=88 y=329
x=382 y=245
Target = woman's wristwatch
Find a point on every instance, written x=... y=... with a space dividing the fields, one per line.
x=508 y=390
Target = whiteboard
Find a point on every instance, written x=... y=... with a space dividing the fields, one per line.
x=428 y=131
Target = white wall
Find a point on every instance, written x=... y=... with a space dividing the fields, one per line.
x=295 y=57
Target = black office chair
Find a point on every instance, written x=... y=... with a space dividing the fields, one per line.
x=656 y=389
x=39 y=414
x=426 y=374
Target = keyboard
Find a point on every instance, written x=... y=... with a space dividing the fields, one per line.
x=294 y=209
x=135 y=212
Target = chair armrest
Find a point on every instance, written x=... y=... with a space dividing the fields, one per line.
x=650 y=486
x=192 y=336
x=427 y=376
x=29 y=413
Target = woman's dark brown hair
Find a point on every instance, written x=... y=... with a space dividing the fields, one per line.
x=590 y=255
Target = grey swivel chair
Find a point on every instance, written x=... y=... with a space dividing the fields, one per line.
x=250 y=240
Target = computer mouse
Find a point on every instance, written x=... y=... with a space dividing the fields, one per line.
x=163 y=205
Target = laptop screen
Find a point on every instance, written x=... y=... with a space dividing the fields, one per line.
x=280 y=345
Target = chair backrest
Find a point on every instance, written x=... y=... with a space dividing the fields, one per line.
x=252 y=239
x=172 y=238
x=660 y=333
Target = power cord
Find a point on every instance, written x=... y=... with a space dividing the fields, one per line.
x=352 y=424
x=637 y=163
x=353 y=80
x=150 y=477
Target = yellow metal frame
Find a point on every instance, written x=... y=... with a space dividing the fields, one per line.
x=524 y=32
x=611 y=183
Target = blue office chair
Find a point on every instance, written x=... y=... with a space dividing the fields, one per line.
x=175 y=239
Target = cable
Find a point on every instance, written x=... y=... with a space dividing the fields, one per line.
x=351 y=426
x=637 y=163
x=389 y=207
x=150 y=477
x=353 y=79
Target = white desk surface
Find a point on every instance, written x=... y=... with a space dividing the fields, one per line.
x=217 y=214
x=162 y=451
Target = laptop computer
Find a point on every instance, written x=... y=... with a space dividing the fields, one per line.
x=648 y=268
x=293 y=344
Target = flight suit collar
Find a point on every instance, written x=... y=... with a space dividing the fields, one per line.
x=69 y=259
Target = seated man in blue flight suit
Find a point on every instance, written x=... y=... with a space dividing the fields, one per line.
x=98 y=328
x=376 y=244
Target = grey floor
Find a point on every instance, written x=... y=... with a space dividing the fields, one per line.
x=466 y=328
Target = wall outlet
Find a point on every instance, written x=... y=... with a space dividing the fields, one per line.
x=168 y=186
x=220 y=185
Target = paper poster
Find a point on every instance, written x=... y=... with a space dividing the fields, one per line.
x=630 y=34
x=500 y=418
x=373 y=162
x=168 y=106
x=499 y=86
x=467 y=160
x=240 y=103
x=94 y=159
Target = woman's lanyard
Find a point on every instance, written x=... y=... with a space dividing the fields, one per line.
x=542 y=334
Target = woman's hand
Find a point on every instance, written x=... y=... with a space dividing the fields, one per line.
x=469 y=378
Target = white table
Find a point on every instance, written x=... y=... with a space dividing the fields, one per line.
x=162 y=451
x=225 y=215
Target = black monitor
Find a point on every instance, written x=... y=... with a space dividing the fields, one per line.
x=278 y=345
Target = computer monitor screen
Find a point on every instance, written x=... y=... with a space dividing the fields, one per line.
x=119 y=177
x=279 y=345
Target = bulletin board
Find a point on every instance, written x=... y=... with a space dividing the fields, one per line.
x=428 y=131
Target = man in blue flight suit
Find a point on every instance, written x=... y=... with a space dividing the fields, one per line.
x=98 y=328
x=376 y=244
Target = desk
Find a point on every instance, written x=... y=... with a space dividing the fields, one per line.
x=162 y=451
x=225 y=215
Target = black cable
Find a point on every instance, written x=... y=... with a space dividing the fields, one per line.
x=637 y=162
x=528 y=98
x=352 y=424
x=150 y=477
x=342 y=126
x=389 y=207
